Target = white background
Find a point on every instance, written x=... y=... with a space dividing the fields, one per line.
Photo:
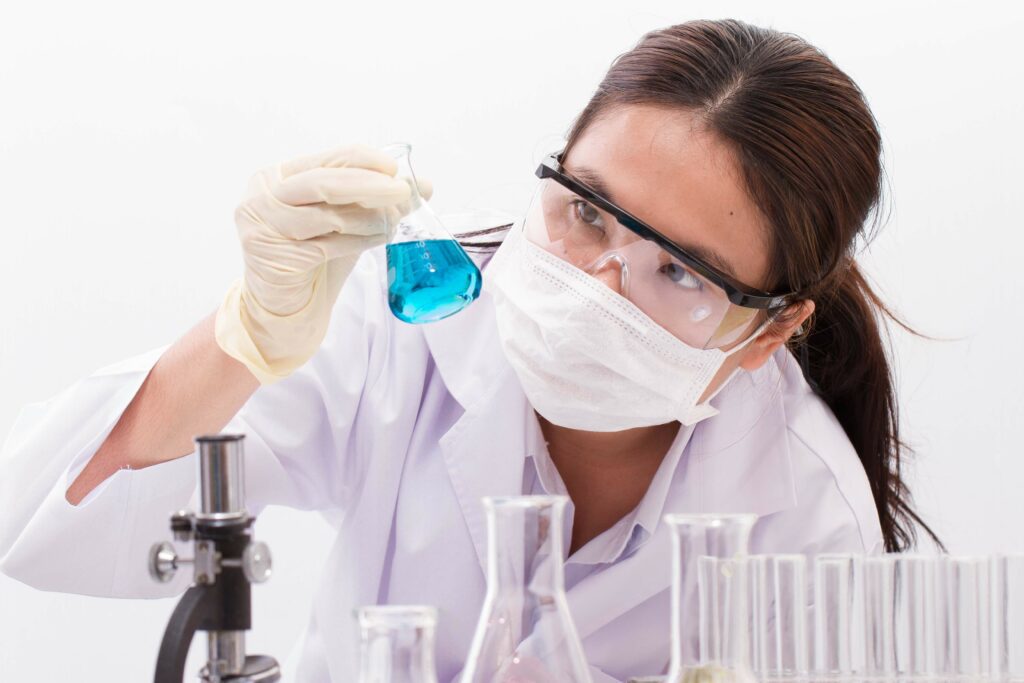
x=128 y=132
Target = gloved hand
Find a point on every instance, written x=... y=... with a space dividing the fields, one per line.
x=303 y=225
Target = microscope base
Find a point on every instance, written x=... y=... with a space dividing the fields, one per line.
x=258 y=669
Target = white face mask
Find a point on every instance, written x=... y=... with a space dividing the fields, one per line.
x=587 y=357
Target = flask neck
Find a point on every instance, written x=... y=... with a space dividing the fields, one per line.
x=525 y=552
x=402 y=154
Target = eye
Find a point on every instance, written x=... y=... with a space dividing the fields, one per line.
x=586 y=213
x=682 y=276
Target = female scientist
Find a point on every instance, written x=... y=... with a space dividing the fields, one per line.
x=679 y=371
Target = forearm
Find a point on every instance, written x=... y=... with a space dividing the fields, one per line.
x=194 y=388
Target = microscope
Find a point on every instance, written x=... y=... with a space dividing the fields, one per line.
x=226 y=562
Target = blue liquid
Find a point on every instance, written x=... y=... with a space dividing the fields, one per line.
x=430 y=279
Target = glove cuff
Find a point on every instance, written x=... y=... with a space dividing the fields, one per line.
x=233 y=337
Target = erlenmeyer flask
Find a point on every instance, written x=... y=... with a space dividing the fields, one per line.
x=397 y=644
x=430 y=276
x=710 y=598
x=525 y=633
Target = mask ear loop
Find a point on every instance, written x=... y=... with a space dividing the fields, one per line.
x=735 y=371
x=805 y=362
x=805 y=356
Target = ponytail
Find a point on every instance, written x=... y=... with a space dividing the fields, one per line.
x=845 y=360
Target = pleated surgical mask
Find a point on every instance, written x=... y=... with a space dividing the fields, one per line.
x=588 y=358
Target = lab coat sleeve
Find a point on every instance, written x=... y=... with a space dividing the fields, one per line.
x=48 y=543
x=100 y=546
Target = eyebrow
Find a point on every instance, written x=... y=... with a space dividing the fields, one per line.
x=591 y=177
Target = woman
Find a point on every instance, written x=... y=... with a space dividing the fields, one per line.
x=635 y=347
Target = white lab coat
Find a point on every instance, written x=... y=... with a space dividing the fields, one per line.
x=394 y=432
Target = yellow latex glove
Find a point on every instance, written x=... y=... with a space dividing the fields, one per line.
x=302 y=225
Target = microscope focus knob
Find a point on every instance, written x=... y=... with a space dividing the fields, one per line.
x=163 y=562
x=181 y=525
x=256 y=562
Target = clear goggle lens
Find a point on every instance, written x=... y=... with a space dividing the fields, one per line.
x=692 y=308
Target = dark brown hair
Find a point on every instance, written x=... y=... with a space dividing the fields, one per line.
x=810 y=153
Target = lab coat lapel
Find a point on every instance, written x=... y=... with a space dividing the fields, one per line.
x=737 y=461
x=485 y=449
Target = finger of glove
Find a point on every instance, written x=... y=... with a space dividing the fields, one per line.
x=345 y=156
x=312 y=220
x=335 y=246
x=425 y=186
x=369 y=189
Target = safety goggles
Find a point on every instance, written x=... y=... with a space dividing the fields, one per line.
x=690 y=298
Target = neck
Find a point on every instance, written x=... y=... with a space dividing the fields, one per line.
x=606 y=473
x=628 y=448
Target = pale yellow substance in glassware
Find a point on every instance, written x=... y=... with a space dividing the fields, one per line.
x=716 y=674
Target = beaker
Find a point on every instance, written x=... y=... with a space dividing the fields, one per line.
x=525 y=633
x=710 y=598
x=397 y=644
x=430 y=276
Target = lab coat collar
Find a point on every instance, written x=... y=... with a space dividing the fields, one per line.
x=652 y=506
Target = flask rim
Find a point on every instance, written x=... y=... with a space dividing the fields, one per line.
x=524 y=502
x=397 y=615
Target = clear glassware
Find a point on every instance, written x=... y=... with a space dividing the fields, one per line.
x=879 y=618
x=838 y=616
x=397 y=644
x=430 y=276
x=525 y=633
x=916 y=617
x=779 y=599
x=1008 y=608
x=710 y=598
x=966 y=599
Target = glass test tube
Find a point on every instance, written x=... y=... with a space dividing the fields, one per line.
x=879 y=617
x=915 y=615
x=1008 y=609
x=779 y=598
x=967 y=600
x=838 y=615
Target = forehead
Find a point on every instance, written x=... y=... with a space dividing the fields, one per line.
x=663 y=167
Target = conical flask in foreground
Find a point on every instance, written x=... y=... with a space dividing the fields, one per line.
x=430 y=276
x=525 y=633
